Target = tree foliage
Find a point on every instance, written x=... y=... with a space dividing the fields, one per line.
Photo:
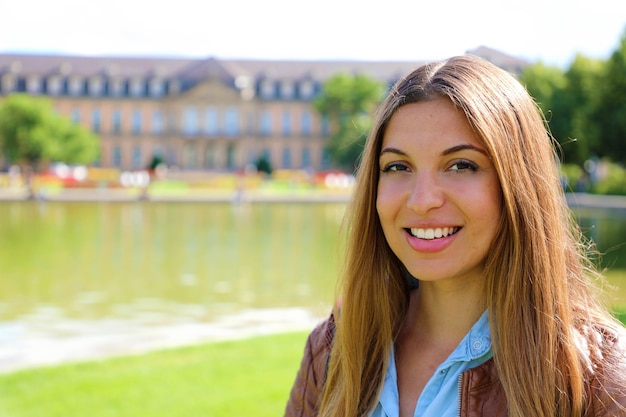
x=31 y=132
x=347 y=102
x=610 y=114
x=580 y=98
x=584 y=105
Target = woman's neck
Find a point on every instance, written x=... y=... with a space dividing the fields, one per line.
x=443 y=313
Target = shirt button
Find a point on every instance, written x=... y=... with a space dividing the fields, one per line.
x=477 y=345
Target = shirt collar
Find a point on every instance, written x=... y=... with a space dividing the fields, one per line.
x=476 y=343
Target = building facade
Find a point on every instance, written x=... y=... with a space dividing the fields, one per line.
x=197 y=114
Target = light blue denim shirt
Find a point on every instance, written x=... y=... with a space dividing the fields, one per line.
x=440 y=396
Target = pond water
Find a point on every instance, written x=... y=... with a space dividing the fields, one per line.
x=84 y=280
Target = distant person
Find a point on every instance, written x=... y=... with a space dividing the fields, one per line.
x=467 y=287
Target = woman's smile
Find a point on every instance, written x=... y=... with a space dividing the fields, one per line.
x=430 y=234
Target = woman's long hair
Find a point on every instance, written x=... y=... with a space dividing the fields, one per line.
x=537 y=275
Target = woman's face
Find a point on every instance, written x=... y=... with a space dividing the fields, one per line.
x=439 y=198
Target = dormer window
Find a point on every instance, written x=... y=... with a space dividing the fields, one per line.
x=307 y=89
x=268 y=90
x=116 y=87
x=96 y=86
x=287 y=90
x=157 y=87
x=136 y=87
x=33 y=84
x=76 y=86
x=54 y=85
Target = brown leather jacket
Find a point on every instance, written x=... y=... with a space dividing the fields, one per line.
x=482 y=393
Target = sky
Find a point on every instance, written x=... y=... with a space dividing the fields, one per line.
x=551 y=31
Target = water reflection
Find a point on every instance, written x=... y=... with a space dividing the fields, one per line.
x=607 y=228
x=96 y=260
x=112 y=276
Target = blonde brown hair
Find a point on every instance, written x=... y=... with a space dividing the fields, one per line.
x=540 y=300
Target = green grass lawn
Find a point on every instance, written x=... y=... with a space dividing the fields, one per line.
x=243 y=378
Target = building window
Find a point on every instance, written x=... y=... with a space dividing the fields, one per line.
x=117 y=156
x=116 y=87
x=157 y=87
x=305 y=123
x=33 y=85
x=96 y=120
x=306 y=158
x=268 y=89
x=137 y=157
x=136 y=122
x=306 y=90
x=96 y=86
x=76 y=86
x=286 y=158
x=136 y=87
x=190 y=121
x=54 y=86
x=287 y=90
x=117 y=121
x=211 y=121
x=230 y=156
x=157 y=122
x=231 y=121
x=266 y=123
x=286 y=123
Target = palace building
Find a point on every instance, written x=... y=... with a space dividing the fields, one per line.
x=198 y=114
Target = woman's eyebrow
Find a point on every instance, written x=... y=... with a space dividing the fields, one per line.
x=457 y=148
x=393 y=150
x=462 y=147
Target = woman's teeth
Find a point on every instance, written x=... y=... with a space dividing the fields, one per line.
x=430 y=234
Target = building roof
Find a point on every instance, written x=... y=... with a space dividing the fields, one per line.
x=45 y=65
x=195 y=69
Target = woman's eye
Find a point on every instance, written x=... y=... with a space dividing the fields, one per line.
x=463 y=166
x=394 y=167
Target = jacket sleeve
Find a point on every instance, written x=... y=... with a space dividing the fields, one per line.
x=309 y=383
x=608 y=397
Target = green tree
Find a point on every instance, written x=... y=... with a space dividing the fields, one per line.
x=610 y=113
x=264 y=165
x=569 y=100
x=546 y=85
x=581 y=97
x=32 y=133
x=347 y=102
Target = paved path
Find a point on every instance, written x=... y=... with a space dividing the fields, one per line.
x=26 y=345
x=597 y=201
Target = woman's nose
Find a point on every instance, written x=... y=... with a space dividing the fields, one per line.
x=426 y=194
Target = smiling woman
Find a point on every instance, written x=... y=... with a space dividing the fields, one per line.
x=436 y=176
x=467 y=288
